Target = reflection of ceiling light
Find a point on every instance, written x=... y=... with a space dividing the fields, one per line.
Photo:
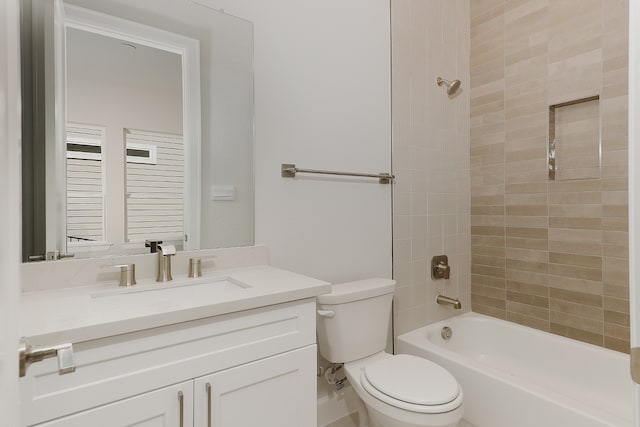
x=129 y=45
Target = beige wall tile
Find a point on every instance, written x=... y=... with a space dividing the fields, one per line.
x=575 y=308
x=581 y=298
x=616 y=317
x=527 y=299
x=576 y=272
x=577 y=322
x=552 y=255
x=431 y=143
x=528 y=310
x=578 y=223
x=576 y=284
x=496 y=282
x=577 y=334
x=532 y=322
x=540 y=278
x=623 y=346
x=577 y=260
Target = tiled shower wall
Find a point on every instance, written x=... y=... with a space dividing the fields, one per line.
x=431 y=195
x=549 y=254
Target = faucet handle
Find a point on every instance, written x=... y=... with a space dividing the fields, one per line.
x=127 y=273
x=444 y=267
x=195 y=265
x=440 y=268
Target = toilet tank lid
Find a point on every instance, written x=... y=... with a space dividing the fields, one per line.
x=360 y=289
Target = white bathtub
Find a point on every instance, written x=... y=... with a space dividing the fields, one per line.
x=514 y=376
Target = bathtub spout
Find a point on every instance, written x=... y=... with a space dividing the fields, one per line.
x=443 y=300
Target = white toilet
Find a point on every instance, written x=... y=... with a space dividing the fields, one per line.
x=398 y=391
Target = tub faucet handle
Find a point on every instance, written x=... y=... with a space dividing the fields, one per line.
x=440 y=268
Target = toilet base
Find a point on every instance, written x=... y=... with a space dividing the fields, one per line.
x=378 y=419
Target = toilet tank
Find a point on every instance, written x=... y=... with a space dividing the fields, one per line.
x=353 y=320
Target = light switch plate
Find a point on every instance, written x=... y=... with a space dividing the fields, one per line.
x=223 y=192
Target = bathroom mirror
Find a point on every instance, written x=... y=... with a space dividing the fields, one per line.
x=137 y=125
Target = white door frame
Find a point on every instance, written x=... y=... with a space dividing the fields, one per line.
x=10 y=212
x=634 y=183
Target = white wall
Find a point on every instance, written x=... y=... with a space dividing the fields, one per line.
x=322 y=100
x=10 y=214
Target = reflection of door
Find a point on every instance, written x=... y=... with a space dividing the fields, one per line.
x=10 y=210
x=55 y=112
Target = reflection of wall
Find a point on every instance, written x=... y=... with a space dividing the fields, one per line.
x=551 y=255
x=430 y=157
x=227 y=155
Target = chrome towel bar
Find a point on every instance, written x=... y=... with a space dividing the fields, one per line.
x=290 y=170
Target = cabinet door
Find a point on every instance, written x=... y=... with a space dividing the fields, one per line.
x=167 y=407
x=278 y=391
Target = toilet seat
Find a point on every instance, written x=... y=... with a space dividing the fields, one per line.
x=411 y=383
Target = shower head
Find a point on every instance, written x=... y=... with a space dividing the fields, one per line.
x=452 y=86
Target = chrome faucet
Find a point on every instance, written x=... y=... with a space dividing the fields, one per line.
x=443 y=300
x=165 y=252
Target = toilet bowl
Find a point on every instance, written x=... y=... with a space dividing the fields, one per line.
x=405 y=391
x=397 y=390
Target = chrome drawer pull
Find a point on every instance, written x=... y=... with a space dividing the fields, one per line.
x=181 y=401
x=29 y=354
x=208 y=387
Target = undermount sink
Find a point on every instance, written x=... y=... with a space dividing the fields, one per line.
x=200 y=288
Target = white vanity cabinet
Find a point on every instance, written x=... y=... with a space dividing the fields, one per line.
x=269 y=392
x=251 y=368
x=169 y=406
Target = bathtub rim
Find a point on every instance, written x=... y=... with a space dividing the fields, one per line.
x=416 y=338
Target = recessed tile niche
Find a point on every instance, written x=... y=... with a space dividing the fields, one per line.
x=574 y=139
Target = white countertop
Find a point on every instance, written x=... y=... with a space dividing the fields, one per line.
x=76 y=315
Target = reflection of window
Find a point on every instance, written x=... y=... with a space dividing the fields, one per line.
x=84 y=148
x=142 y=153
x=85 y=185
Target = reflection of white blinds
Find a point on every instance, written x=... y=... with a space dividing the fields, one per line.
x=155 y=192
x=84 y=186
